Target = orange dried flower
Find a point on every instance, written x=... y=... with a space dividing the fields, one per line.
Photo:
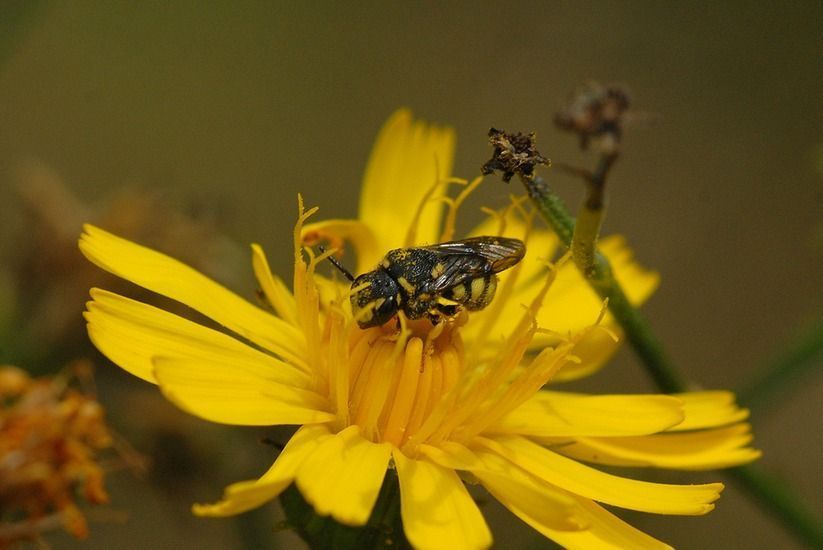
x=50 y=435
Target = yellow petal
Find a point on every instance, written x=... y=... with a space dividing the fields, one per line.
x=594 y=350
x=510 y=484
x=701 y=450
x=408 y=158
x=709 y=409
x=579 y=479
x=436 y=508
x=556 y=414
x=531 y=499
x=273 y=287
x=569 y=306
x=517 y=287
x=246 y=495
x=604 y=531
x=343 y=475
x=169 y=277
x=130 y=333
x=572 y=305
x=367 y=251
x=218 y=392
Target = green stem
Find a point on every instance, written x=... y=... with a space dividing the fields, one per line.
x=775 y=496
x=802 y=354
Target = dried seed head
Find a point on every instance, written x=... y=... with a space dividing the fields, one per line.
x=513 y=154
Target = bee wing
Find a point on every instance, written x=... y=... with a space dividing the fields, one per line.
x=464 y=260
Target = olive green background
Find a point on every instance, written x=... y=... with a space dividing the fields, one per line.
x=236 y=107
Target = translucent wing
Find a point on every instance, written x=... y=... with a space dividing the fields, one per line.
x=464 y=260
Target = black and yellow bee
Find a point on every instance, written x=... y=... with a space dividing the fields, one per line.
x=432 y=281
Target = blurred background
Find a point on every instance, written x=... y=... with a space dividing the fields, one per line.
x=192 y=127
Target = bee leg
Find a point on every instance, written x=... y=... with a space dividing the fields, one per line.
x=400 y=323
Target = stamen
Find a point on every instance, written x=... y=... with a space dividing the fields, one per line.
x=305 y=293
x=422 y=399
x=405 y=393
x=371 y=388
x=454 y=205
x=411 y=235
x=338 y=366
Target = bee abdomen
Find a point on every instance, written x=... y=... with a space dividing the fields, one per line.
x=475 y=293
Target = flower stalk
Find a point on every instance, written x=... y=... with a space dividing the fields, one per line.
x=513 y=152
x=598 y=272
x=797 y=358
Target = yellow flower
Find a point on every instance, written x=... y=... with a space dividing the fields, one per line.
x=462 y=401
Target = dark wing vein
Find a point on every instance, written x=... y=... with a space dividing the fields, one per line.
x=466 y=259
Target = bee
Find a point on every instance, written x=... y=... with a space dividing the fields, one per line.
x=432 y=281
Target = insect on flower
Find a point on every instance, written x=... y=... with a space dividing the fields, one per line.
x=439 y=405
x=432 y=281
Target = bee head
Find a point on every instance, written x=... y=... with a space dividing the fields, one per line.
x=376 y=302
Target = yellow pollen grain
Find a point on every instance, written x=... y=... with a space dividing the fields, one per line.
x=404 y=397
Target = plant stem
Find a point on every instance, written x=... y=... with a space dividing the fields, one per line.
x=802 y=354
x=778 y=498
x=774 y=496
x=599 y=274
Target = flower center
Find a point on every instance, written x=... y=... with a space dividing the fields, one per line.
x=396 y=379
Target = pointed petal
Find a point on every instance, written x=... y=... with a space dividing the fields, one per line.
x=579 y=479
x=246 y=495
x=367 y=251
x=408 y=158
x=130 y=333
x=273 y=287
x=532 y=500
x=437 y=510
x=510 y=484
x=218 y=392
x=556 y=414
x=342 y=477
x=604 y=531
x=701 y=450
x=709 y=409
x=169 y=277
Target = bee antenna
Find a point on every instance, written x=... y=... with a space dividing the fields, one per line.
x=338 y=265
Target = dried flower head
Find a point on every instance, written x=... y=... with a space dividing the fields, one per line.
x=50 y=435
x=596 y=113
x=513 y=154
